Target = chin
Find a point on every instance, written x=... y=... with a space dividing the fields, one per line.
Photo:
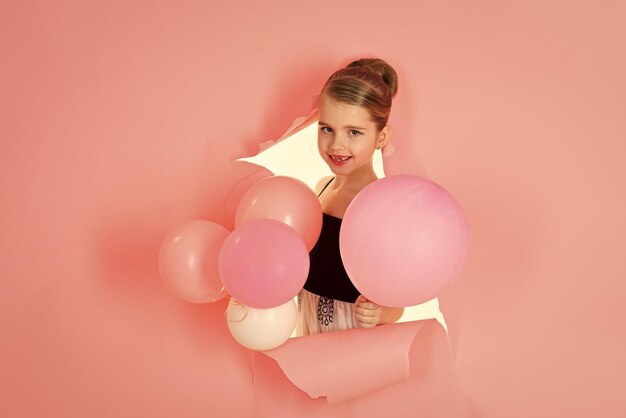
x=340 y=171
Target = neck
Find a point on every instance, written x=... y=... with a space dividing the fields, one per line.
x=355 y=182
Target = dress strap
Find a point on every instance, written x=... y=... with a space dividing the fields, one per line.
x=327 y=184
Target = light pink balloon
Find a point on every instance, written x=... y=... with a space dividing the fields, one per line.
x=239 y=191
x=403 y=239
x=287 y=200
x=188 y=261
x=263 y=263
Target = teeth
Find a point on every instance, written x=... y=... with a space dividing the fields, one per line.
x=338 y=158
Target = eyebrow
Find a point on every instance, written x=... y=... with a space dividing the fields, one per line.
x=344 y=127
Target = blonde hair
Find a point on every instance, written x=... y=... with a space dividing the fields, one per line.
x=369 y=83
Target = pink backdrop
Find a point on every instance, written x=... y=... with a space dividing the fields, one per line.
x=120 y=120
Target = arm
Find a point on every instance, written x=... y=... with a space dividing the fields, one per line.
x=369 y=314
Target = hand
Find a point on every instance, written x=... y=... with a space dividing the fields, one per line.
x=366 y=313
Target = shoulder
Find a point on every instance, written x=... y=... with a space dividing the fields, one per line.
x=322 y=183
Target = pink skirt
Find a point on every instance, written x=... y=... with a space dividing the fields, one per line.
x=318 y=314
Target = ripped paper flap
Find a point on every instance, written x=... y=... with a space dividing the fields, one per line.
x=347 y=364
x=297 y=125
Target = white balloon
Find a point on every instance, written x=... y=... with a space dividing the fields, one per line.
x=261 y=329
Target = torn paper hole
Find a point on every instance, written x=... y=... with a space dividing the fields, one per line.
x=295 y=154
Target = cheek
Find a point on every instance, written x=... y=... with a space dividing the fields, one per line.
x=321 y=147
x=322 y=142
x=367 y=146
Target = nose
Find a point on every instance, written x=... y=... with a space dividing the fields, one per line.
x=337 y=143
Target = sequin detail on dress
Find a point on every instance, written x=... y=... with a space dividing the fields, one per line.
x=325 y=310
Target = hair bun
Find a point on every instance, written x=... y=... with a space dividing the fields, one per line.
x=382 y=68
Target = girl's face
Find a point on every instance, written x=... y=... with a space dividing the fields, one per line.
x=347 y=136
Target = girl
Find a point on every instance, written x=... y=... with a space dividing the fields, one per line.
x=353 y=110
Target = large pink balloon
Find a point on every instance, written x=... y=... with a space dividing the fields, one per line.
x=263 y=263
x=403 y=239
x=287 y=200
x=188 y=261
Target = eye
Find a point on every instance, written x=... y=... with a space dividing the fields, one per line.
x=354 y=132
x=326 y=129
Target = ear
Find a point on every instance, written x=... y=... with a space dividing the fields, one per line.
x=384 y=136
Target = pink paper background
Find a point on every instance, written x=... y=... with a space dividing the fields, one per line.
x=120 y=120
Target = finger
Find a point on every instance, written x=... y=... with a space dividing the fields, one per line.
x=360 y=299
x=364 y=322
x=365 y=312
x=366 y=319
x=369 y=305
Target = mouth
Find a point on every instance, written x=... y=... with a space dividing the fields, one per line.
x=339 y=159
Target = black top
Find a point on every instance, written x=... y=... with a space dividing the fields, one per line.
x=327 y=276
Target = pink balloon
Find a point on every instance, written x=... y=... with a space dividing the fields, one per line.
x=188 y=261
x=403 y=239
x=287 y=200
x=239 y=191
x=263 y=263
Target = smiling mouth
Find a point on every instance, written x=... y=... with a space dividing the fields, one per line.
x=338 y=159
